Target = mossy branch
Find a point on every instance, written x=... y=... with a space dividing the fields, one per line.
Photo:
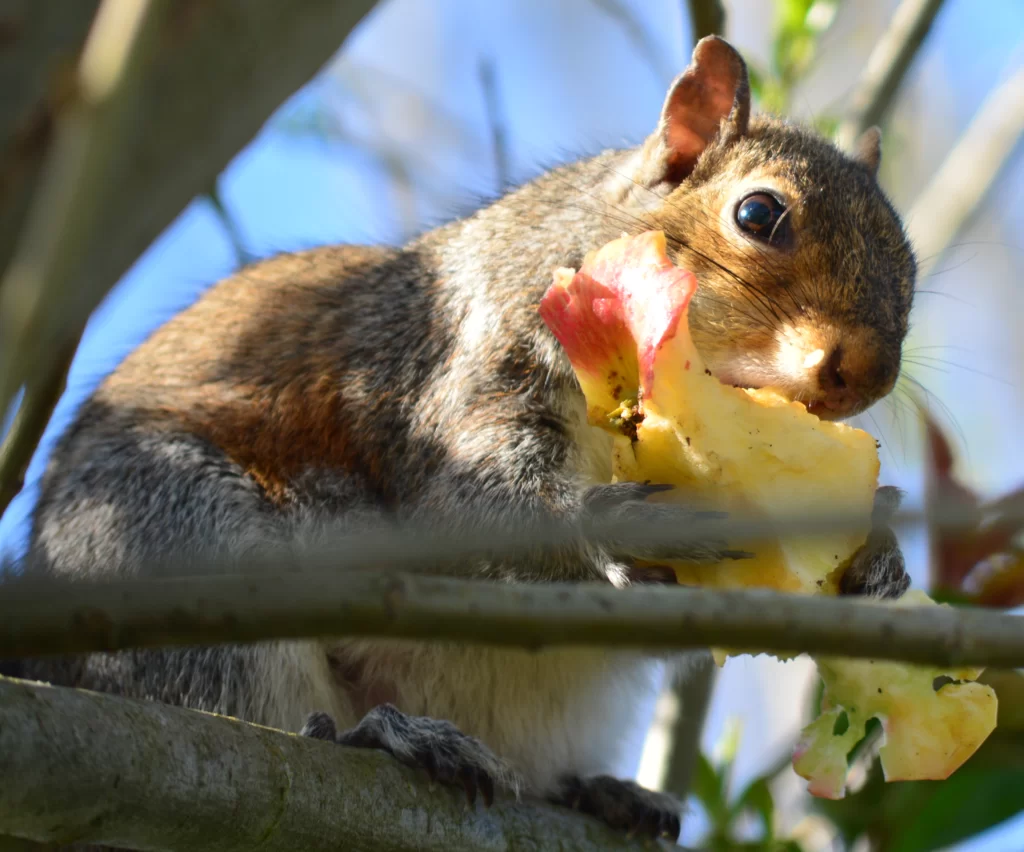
x=141 y=775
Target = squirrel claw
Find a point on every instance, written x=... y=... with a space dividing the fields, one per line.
x=623 y=805
x=441 y=750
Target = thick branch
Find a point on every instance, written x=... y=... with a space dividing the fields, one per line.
x=93 y=130
x=707 y=17
x=216 y=73
x=43 y=617
x=887 y=66
x=968 y=172
x=141 y=775
x=39 y=51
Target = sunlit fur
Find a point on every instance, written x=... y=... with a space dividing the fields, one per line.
x=844 y=277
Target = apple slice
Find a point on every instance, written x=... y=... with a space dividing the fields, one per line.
x=622 y=320
x=933 y=719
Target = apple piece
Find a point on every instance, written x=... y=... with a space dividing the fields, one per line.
x=622 y=320
x=933 y=719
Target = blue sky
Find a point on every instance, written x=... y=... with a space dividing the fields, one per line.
x=569 y=81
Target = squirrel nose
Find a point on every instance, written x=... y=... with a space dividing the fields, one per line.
x=838 y=397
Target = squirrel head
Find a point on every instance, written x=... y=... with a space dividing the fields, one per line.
x=806 y=276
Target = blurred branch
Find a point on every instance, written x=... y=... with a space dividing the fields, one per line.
x=499 y=135
x=41 y=397
x=100 y=769
x=707 y=17
x=51 y=616
x=693 y=697
x=886 y=68
x=673 y=741
x=350 y=588
x=231 y=229
x=968 y=172
x=647 y=48
x=128 y=156
x=73 y=188
x=37 y=61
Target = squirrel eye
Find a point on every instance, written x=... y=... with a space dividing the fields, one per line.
x=759 y=215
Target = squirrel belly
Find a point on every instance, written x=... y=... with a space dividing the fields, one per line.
x=545 y=714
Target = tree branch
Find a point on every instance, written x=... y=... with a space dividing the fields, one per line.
x=968 y=172
x=686 y=705
x=49 y=617
x=40 y=50
x=214 y=72
x=41 y=397
x=886 y=68
x=707 y=17
x=142 y=775
x=91 y=133
x=499 y=134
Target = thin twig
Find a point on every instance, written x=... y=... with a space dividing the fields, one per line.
x=243 y=256
x=968 y=172
x=707 y=17
x=30 y=422
x=99 y=769
x=647 y=48
x=499 y=134
x=886 y=67
x=52 y=617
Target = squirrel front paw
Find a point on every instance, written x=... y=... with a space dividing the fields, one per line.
x=623 y=805
x=626 y=502
x=447 y=755
x=878 y=570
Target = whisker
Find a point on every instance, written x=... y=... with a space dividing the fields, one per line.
x=879 y=435
x=945 y=409
x=650 y=225
x=920 y=361
x=761 y=321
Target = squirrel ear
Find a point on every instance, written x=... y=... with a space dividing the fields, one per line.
x=708 y=101
x=867 y=150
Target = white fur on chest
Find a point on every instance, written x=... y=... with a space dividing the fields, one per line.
x=548 y=714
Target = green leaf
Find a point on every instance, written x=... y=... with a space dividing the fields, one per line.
x=756 y=80
x=757 y=797
x=965 y=804
x=709 y=788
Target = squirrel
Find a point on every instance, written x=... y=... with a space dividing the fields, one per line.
x=351 y=384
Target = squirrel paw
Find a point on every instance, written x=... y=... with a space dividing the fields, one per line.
x=878 y=570
x=623 y=805
x=626 y=502
x=439 y=748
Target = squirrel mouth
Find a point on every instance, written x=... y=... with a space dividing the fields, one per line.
x=819 y=407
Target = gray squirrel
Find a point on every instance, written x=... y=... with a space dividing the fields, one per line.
x=352 y=384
